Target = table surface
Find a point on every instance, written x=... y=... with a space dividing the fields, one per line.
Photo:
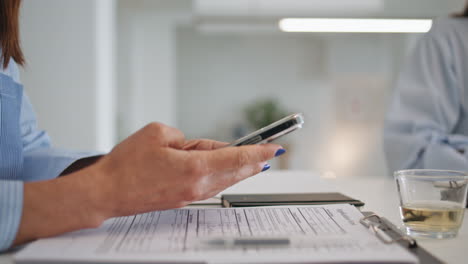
x=379 y=194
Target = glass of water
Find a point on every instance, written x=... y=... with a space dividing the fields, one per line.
x=432 y=202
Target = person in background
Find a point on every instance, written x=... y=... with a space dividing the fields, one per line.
x=426 y=126
x=154 y=169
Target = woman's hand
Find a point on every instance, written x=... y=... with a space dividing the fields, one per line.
x=203 y=144
x=156 y=169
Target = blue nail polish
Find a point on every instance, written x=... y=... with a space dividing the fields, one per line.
x=266 y=167
x=280 y=152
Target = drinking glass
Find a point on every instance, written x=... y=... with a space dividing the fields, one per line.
x=432 y=202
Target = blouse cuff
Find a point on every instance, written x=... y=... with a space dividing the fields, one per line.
x=48 y=163
x=11 y=204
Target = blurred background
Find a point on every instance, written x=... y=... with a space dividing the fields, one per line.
x=97 y=71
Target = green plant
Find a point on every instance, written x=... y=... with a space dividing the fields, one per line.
x=264 y=112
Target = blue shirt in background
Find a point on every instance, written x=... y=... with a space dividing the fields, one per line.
x=25 y=152
x=427 y=124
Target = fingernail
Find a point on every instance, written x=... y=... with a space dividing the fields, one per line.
x=280 y=152
x=266 y=167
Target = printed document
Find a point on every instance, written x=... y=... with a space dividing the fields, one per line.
x=317 y=234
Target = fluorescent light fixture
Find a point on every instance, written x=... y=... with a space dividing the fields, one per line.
x=238 y=28
x=355 y=25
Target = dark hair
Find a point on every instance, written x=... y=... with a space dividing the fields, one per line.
x=9 y=32
x=464 y=13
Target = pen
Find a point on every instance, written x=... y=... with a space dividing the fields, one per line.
x=235 y=242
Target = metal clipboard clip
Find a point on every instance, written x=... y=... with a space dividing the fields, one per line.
x=386 y=231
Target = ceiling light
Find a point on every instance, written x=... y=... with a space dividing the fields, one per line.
x=354 y=25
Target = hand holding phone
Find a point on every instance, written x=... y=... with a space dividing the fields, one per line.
x=272 y=131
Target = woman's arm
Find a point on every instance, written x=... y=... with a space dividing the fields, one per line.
x=57 y=206
x=426 y=108
x=154 y=169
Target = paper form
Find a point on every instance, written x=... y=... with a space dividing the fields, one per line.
x=330 y=233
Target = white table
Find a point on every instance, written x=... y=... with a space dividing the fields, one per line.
x=379 y=194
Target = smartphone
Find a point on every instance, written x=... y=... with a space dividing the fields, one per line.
x=272 y=131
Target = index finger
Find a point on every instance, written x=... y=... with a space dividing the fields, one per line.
x=204 y=144
x=238 y=157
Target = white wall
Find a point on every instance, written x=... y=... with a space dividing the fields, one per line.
x=340 y=83
x=147 y=55
x=69 y=76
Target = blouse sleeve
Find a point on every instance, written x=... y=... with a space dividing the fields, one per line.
x=426 y=108
x=11 y=204
x=40 y=162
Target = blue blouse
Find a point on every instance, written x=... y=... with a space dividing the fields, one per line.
x=25 y=152
x=427 y=123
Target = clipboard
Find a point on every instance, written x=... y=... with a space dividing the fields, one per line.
x=275 y=199
x=389 y=233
